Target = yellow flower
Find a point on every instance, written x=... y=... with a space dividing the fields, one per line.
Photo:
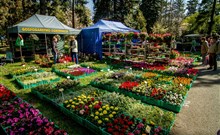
x=96 y=117
x=106 y=119
x=105 y=112
x=73 y=102
x=97 y=113
x=66 y=101
x=81 y=102
x=152 y=123
x=110 y=115
x=116 y=108
x=70 y=100
x=68 y=106
x=92 y=115
x=75 y=98
x=112 y=107
x=100 y=109
x=77 y=103
x=107 y=108
x=101 y=114
x=73 y=106
x=90 y=106
x=99 y=122
x=79 y=99
x=104 y=107
x=114 y=112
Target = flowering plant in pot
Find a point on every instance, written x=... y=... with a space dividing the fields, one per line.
x=5 y=94
x=173 y=98
x=128 y=85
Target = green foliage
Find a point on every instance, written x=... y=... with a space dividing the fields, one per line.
x=199 y=21
x=136 y=20
x=13 y=12
x=114 y=10
x=192 y=7
x=150 y=10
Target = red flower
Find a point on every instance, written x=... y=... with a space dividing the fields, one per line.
x=92 y=99
x=130 y=123
x=109 y=125
x=97 y=106
x=115 y=121
x=100 y=103
x=116 y=127
x=110 y=130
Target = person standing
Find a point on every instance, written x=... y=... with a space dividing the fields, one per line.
x=54 y=49
x=212 y=53
x=204 y=50
x=74 y=49
x=193 y=47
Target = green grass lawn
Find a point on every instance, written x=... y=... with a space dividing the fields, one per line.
x=59 y=118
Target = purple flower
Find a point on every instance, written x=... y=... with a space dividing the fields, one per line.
x=86 y=107
x=39 y=121
x=137 y=132
x=15 y=120
x=140 y=125
x=21 y=129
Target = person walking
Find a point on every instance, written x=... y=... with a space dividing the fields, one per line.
x=204 y=50
x=54 y=49
x=74 y=49
x=212 y=53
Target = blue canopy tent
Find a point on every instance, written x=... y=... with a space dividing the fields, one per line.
x=91 y=37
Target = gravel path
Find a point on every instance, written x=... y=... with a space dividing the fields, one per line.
x=201 y=112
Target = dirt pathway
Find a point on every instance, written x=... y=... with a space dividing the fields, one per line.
x=201 y=112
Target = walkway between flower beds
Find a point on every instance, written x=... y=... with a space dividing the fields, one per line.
x=200 y=114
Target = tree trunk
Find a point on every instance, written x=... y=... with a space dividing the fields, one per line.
x=73 y=14
x=212 y=18
x=42 y=7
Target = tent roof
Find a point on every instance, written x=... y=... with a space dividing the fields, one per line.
x=111 y=26
x=42 y=24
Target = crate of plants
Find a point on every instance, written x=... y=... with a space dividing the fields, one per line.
x=96 y=65
x=150 y=88
x=77 y=73
x=96 y=108
x=35 y=79
x=64 y=65
x=101 y=115
x=19 y=117
x=48 y=92
x=24 y=70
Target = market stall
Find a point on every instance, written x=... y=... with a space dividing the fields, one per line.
x=91 y=37
x=45 y=27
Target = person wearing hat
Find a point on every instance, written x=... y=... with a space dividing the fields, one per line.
x=74 y=49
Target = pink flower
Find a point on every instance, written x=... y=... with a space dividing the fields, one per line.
x=82 y=112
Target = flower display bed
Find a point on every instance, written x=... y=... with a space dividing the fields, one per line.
x=167 y=92
x=96 y=65
x=30 y=80
x=75 y=73
x=104 y=112
x=24 y=70
x=19 y=117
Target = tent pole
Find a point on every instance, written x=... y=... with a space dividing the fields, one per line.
x=46 y=43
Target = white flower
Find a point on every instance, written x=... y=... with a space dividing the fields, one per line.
x=61 y=90
x=181 y=84
x=101 y=70
x=108 y=70
x=23 y=65
x=65 y=62
x=142 y=68
x=87 y=67
x=35 y=69
x=68 y=77
x=130 y=68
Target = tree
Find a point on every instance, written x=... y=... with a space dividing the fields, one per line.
x=114 y=9
x=15 y=11
x=192 y=7
x=136 y=20
x=150 y=10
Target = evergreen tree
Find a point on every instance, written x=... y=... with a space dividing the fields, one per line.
x=150 y=10
x=114 y=9
x=15 y=11
x=192 y=6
